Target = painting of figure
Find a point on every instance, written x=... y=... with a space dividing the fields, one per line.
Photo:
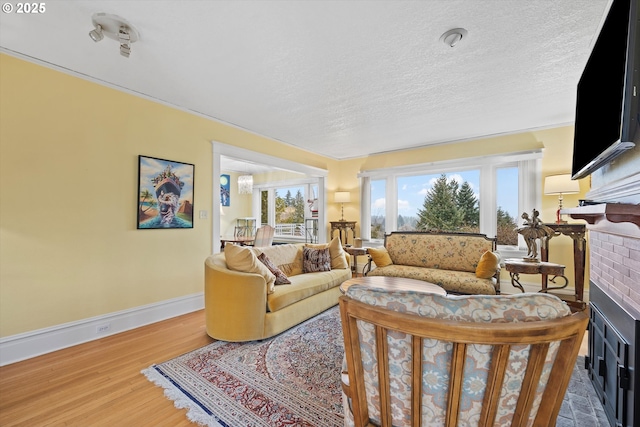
x=225 y=190
x=165 y=193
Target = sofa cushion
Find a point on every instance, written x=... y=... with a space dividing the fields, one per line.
x=488 y=265
x=288 y=257
x=241 y=258
x=281 y=278
x=338 y=255
x=314 y=260
x=305 y=285
x=451 y=280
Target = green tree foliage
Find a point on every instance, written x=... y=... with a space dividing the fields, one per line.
x=506 y=232
x=290 y=209
x=467 y=202
x=450 y=207
x=440 y=210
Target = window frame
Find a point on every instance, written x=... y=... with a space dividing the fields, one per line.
x=306 y=183
x=529 y=166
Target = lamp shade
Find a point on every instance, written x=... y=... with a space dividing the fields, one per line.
x=560 y=184
x=342 y=197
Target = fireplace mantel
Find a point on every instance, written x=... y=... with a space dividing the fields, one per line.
x=616 y=218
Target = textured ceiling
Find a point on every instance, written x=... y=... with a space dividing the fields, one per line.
x=338 y=78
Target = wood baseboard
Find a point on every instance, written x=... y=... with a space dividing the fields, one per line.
x=35 y=343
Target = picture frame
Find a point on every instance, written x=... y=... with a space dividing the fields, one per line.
x=165 y=193
x=225 y=190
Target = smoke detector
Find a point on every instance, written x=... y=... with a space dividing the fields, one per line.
x=452 y=37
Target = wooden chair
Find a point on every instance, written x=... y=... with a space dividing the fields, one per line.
x=429 y=360
x=264 y=236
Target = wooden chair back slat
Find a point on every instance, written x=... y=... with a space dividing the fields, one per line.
x=416 y=381
x=495 y=379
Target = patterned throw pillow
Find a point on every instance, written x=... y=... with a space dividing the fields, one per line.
x=316 y=260
x=338 y=255
x=281 y=278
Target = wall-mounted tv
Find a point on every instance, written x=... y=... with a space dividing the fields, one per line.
x=607 y=103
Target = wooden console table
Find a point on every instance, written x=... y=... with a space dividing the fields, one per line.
x=577 y=234
x=343 y=227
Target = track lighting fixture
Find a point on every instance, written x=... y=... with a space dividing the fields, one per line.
x=96 y=34
x=114 y=28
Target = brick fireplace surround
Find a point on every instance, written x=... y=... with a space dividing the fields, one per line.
x=614 y=329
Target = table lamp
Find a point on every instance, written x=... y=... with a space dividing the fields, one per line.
x=342 y=197
x=560 y=184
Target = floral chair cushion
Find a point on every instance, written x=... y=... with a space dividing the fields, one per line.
x=437 y=354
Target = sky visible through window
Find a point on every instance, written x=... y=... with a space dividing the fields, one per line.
x=412 y=191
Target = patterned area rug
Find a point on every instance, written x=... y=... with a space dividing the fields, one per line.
x=293 y=379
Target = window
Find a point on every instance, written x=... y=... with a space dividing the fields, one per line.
x=483 y=195
x=378 y=208
x=507 y=205
x=288 y=205
x=447 y=202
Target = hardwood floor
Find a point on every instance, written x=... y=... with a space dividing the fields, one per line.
x=99 y=383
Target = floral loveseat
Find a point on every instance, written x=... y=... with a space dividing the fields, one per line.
x=256 y=293
x=463 y=263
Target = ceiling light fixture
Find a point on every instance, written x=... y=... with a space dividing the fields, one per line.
x=96 y=34
x=115 y=28
x=245 y=184
x=452 y=37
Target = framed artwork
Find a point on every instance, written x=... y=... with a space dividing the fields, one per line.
x=165 y=193
x=225 y=190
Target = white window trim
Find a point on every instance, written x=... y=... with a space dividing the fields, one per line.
x=529 y=191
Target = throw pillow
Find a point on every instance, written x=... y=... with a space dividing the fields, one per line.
x=241 y=258
x=380 y=256
x=281 y=278
x=488 y=265
x=338 y=255
x=316 y=260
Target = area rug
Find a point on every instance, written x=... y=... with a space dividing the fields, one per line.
x=293 y=379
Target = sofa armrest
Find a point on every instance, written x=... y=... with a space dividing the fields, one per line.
x=235 y=302
x=367 y=267
x=497 y=277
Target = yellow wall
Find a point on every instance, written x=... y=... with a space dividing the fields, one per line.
x=69 y=248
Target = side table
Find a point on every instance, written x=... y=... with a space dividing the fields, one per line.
x=515 y=267
x=355 y=252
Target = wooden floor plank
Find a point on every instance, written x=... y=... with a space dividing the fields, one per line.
x=99 y=383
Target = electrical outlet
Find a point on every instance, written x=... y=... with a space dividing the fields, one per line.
x=103 y=328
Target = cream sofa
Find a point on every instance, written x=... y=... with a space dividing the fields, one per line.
x=461 y=263
x=243 y=302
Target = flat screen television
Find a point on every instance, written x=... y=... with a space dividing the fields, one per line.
x=607 y=111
